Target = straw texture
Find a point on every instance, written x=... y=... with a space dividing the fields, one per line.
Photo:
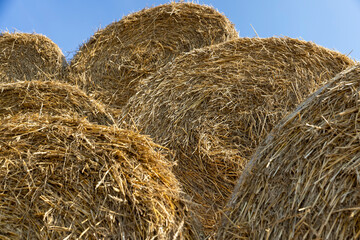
x=26 y=56
x=213 y=106
x=117 y=57
x=64 y=178
x=303 y=182
x=50 y=97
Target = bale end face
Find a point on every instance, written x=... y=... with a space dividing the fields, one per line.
x=52 y=98
x=26 y=56
x=302 y=182
x=66 y=178
x=118 y=57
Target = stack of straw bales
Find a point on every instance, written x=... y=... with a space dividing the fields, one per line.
x=50 y=97
x=113 y=61
x=26 y=56
x=303 y=182
x=65 y=178
x=179 y=73
x=213 y=106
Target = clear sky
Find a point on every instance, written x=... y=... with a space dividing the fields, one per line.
x=334 y=24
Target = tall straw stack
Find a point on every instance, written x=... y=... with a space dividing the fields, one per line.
x=50 y=97
x=117 y=57
x=25 y=56
x=64 y=178
x=303 y=182
x=213 y=106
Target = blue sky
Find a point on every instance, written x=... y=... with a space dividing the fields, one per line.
x=330 y=23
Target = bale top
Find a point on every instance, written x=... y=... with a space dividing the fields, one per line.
x=213 y=106
x=50 y=97
x=64 y=178
x=303 y=182
x=25 y=56
x=115 y=58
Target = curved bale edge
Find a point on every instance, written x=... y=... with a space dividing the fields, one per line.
x=26 y=56
x=116 y=58
x=50 y=97
x=302 y=182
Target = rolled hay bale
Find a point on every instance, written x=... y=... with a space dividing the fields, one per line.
x=213 y=106
x=25 y=56
x=117 y=57
x=303 y=180
x=65 y=178
x=50 y=97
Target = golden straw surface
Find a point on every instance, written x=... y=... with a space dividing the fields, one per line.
x=303 y=181
x=65 y=178
x=212 y=107
x=50 y=97
x=25 y=56
x=117 y=57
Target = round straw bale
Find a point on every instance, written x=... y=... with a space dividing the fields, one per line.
x=115 y=58
x=303 y=181
x=25 y=56
x=65 y=178
x=50 y=97
x=213 y=106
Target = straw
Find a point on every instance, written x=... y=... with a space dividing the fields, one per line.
x=213 y=106
x=25 y=56
x=303 y=180
x=117 y=57
x=50 y=97
x=65 y=178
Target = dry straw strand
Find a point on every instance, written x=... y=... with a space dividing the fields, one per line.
x=303 y=181
x=116 y=58
x=25 y=56
x=50 y=97
x=65 y=178
x=213 y=106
